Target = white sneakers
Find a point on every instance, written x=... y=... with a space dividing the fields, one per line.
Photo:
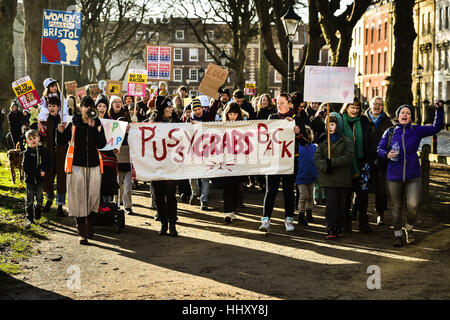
x=289 y=223
x=265 y=224
x=229 y=217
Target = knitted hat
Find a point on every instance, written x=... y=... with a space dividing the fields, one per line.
x=49 y=81
x=226 y=91
x=187 y=107
x=195 y=103
x=102 y=99
x=113 y=98
x=15 y=102
x=161 y=103
x=405 y=106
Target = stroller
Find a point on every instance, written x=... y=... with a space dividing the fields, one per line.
x=109 y=213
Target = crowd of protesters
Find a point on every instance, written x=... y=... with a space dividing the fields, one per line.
x=341 y=156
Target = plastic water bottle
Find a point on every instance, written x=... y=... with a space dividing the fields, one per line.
x=396 y=149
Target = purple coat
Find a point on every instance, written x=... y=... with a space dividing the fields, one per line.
x=407 y=167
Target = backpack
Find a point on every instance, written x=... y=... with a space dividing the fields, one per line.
x=383 y=162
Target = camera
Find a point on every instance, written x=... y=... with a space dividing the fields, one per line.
x=92 y=113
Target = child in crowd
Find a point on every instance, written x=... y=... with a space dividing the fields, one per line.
x=34 y=113
x=35 y=164
x=57 y=155
x=51 y=90
x=306 y=176
x=187 y=113
x=335 y=174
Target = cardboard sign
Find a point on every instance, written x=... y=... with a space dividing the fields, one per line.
x=250 y=88
x=137 y=82
x=80 y=93
x=176 y=151
x=70 y=86
x=26 y=92
x=204 y=100
x=329 y=84
x=94 y=90
x=114 y=87
x=61 y=35
x=159 y=62
x=214 y=78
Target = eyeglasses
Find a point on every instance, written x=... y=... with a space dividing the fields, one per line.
x=377 y=104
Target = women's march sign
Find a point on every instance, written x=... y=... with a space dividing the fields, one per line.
x=114 y=133
x=26 y=92
x=137 y=82
x=159 y=62
x=61 y=35
x=173 y=151
x=329 y=84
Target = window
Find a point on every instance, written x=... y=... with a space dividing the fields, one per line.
x=385 y=30
x=178 y=54
x=193 y=54
x=208 y=57
x=139 y=35
x=365 y=65
x=277 y=76
x=385 y=61
x=193 y=74
x=429 y=23
x=439 y=90
x=446 y=17
x=153 y=35
x=379 y=31
x=330 y=57
x=439 y=59
x=209 y=35
x=428 y=61
x=441 y=11
x=367 y=35
x=296 y=55
x=379 y=62
x=446 y=59
x=177 y=75
x=179 y=34
x=371 y=34
x=371 y=63
x=320 y=56
x=193 y=93
x=423 y=23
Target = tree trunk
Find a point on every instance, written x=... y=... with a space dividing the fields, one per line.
x=263 y=68
x=8 y=9
x=399 y=88
x=33 y=33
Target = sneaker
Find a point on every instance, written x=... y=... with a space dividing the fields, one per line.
x=193 y=200
x=380 y=221
x=47 y=206
x=204 y=207
x=265 y=223
x=398 y=242
x=184 y=198
x=129 y=211
x=289 y=224
x=233 y=216
x=331 y=233
x=60 y=212
x=339 y=232
x=156 y=217
x=227 y=217
x=410 y=239
x=28 y=224
x=302 y=220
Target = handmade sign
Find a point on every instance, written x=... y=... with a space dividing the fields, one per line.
x=204 y=100
x=174 y=151
x=80 y=93
x=329 y=84
x=114 y=132
x=159 y=62
x=113 y=87
x=214 y=78
x=94 y=90
x=71 y=86
x=26 y=92
x=61 y=34
x=137 y=82
x=250 y=88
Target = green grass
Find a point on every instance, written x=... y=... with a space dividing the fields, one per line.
x=16 y=242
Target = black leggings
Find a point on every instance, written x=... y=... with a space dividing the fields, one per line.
x=166 y=200
x=272 y=184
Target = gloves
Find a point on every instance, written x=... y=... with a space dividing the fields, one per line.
x=329 y=169
x=97 y=123
x=439 y=104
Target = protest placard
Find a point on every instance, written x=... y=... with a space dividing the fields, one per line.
x=113 y=87
x=214 y=78
x=26 y=92
x=94 y=90
x=159 y=62
x=250 y=88
x=204 y=100
x=71 y=86
x=80 y=93
x=329 y=84
x=137 y=82
x=61 y=35
x=166 y=151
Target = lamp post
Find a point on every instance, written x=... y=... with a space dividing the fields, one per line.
x=360 y=86
x=201 y=73
x=418 y=108
x=223 y=58
x=290 y=22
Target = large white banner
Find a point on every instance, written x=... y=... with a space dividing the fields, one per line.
x=329 y=84
x=175 y=151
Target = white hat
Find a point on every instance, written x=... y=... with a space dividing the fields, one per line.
x=49 y=81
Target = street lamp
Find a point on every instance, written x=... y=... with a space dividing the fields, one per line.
x=188 y=80
x=223 y=58
x=419 y=72
x=360 y=86
x=201 y=73
x=290 y=22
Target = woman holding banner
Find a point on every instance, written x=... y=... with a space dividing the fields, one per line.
x=84 y=167
x=359 y=129
x=165 y=190
x=285 y=111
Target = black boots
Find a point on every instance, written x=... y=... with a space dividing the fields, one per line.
x=82 y=236
x=309 y=217
x=90 y=226
x=364 y=223
x=302 y=220
x=164 y=227
x=168 y=226
x=60 y=212
x=47 y=206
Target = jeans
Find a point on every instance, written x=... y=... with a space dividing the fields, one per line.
x=60 y=198
x=34 y=190
x=306 y=201
x=319 y=193
x=126 y=187
x=336 y=204
x=272 y=184
x=205 y=190
x=195 y=190
x=166 y=200
x=398 y=191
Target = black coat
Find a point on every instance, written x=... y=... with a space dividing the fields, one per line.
x=264 y=113
x=87 y=141
x=16 y=120
x=247 y=107
x=369 y=141
x=35 y=161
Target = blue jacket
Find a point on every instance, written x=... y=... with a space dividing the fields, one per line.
x=407 y=167
x=307 y=170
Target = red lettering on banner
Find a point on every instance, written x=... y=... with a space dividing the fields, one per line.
x=214 y=142
x=266 y=129
x=164 y=153
x=191 y=139
x=273 y=135
x=269 y=147
x=179 y=151
x=285 y=149
x=144 y=139
x=173 y=145
x=247 y=142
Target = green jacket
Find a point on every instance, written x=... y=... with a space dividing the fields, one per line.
x=342 y=153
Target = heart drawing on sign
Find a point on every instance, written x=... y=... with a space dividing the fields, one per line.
x=345 y=94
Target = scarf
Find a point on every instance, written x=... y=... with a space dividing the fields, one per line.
x=333 y=138
x=376 y=120
x=356 y=135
